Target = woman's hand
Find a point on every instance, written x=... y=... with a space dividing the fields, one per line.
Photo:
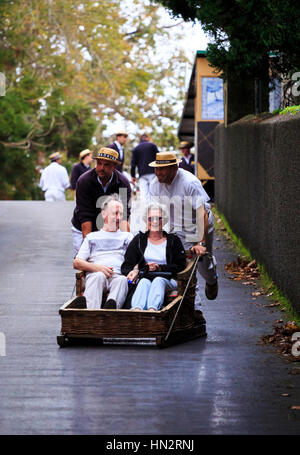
x=132 y=275
x=153 y=267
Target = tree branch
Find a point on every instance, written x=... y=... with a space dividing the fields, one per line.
x=141 y=30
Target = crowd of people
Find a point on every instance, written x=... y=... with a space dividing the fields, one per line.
x=133 y=266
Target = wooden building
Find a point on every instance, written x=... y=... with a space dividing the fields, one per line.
x=203 y=111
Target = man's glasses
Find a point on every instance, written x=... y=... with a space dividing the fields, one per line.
x=154 y=218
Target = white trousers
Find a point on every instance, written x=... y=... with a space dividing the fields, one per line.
x=77 y=239
x=53 y=195
x=96 y=283
x=207 y=267
x=144 y=184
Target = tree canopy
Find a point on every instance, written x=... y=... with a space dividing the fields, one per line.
x=71 y=68
x=243 y=33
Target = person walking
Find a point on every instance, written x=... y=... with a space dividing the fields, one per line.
x=80 y=168
x=142 y=155
x=118 y=146
x=54 y=179
x=188 y=159
x=100 y=181
x=191 y=217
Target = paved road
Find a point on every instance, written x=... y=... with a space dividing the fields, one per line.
x=227 y=383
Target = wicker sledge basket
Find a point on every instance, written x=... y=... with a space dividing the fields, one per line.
x=176 y=322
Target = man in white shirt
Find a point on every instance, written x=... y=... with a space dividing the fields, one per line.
x=54 y=179
x=190 y=215
x=101 y=256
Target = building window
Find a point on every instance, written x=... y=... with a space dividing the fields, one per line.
x=212 y=100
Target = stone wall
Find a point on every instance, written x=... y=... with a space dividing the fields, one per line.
x=257 y=188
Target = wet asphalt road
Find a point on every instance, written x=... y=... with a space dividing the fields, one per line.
x=227 y=383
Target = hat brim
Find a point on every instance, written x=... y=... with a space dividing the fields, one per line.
x=186 y=147
x=155 y=164
x=56 y=157
x=84 y=155
x=106 y=159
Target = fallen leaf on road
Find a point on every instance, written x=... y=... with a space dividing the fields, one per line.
x=243 y=270
x=282 y=339
x=252 y=263
x=269 y=287
x=291 y=327
x=294 y=371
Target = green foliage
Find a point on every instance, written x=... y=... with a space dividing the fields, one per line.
x=244 y=32
x=70 y=127
x=290 y=110
x=71 y=67
x=18 y=173
x=276 y=111
x=81 y=127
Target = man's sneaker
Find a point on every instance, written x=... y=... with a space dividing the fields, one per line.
x=110 y=304
x=211 y=290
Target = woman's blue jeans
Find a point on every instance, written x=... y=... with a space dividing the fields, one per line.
x=151 y=294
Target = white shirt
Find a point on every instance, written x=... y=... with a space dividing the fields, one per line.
x=156 y=253
x=186 y=158
x=186 y=195
x=54 y=176
x=105 y=248
x=120 y=148
x=106 y=186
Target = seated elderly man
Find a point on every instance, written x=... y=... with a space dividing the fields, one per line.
x=101 y=256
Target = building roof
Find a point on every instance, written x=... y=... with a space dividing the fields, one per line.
x=187 y=122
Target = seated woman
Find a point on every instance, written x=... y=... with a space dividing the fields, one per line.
x=153 y=251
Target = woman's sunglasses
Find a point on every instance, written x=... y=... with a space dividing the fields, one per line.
x=154 y=218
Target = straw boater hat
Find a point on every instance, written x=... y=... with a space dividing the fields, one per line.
x=105 y=153
x=121 y=133
x=165 y=159
x=55 y=156
x=84 y=153
x=185 y=145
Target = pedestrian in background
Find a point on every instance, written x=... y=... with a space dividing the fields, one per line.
x=188 y=159
x=118 y=146
x=80 y=168
x=143 y=154
x=54 y=179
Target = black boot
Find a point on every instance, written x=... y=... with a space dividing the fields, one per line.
x=110 y=305
x=211 y=290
